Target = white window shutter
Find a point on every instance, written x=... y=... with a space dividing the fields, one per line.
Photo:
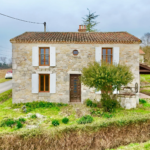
x=52 y=56
x=35 y=56
x=53 y=83
x=116 y=55
x=35 y=83
x=98 y=54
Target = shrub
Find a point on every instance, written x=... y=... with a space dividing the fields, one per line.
x=55 y=122
x=107 y=115
x=19 y=125
x=109 y=104
x=21 y=120
x=33 y=116
x=107 y=78
x=90 y=103
x=7 y=122
x=85 y=119
x=142 y=101
x=65 y=120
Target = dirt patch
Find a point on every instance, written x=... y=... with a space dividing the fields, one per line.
x=3 y=72
x=110 y=137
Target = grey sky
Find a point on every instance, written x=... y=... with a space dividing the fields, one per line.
x=66 y=15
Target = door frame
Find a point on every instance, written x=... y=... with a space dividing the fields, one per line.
x=75 y=73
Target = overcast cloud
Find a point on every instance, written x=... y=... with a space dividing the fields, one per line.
x=66 y=15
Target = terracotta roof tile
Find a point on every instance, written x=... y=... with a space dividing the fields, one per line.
x=141 y=52
x=76 y=37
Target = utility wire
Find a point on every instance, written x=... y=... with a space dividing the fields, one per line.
x=20 y=19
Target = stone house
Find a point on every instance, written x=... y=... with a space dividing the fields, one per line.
x=47 y=65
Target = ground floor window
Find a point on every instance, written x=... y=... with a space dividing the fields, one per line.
x=44 y=83
x=107 y=55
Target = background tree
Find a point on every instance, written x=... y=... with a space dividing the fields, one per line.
x=146 y=39
x=3 y=59
x=90 y=22
x=107 y=78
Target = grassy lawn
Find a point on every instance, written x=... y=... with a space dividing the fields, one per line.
x=135 y=146
x=4 y=80
x=73 y=112
x=145 y=78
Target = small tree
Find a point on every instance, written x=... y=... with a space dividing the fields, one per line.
x=90 y=22
x=106 y=77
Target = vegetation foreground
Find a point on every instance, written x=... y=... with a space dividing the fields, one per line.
x=58 y=126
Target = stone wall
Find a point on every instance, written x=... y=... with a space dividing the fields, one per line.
x=66 y=64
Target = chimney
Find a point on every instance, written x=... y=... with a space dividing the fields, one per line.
x=82 y=28
x=44 y=26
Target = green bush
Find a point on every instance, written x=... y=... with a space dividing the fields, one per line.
x=5 y=95
x=7 y=122
x=85 y=119
x=109 y=104
x=21 y=120
x=142 y=101
x=55 y=122
x=107 y=115
x=19 y=125
x=33 y=116
x=90 y=103
x=65 y=120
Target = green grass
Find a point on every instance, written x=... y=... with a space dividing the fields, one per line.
x=4 y=80
x=5 y=95
x=145 y=78
x=135 y=146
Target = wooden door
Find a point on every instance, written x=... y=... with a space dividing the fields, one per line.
x=75 y=88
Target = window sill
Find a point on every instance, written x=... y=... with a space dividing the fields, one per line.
x=44 y=67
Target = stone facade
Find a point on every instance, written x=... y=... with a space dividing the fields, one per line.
x=66 y=64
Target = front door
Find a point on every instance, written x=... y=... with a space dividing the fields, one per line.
x=75 y=88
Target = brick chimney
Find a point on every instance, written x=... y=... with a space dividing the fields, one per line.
x=82 y=28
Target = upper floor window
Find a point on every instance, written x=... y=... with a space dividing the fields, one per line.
x=107 y=55
x=75 y=52
x=44 y=59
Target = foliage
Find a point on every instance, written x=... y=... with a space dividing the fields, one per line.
x=142 y=101
x=5 y=95
x=85 y=119
x=96 y=112
x=7 y=122
x=109 y=103
x=146 y=49
x=107 y=115
x=33 y=116
x=19 y=125
x=65 y=120
x=42 y=104
x=106 y=77
x=146 y=39
x=55 y=122
x=90 y=103
x=21 y=120
x=90 y=22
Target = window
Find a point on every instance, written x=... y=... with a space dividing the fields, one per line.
x=75 y=52
x=107 y=55
x=44 y=59
x=44 y=82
